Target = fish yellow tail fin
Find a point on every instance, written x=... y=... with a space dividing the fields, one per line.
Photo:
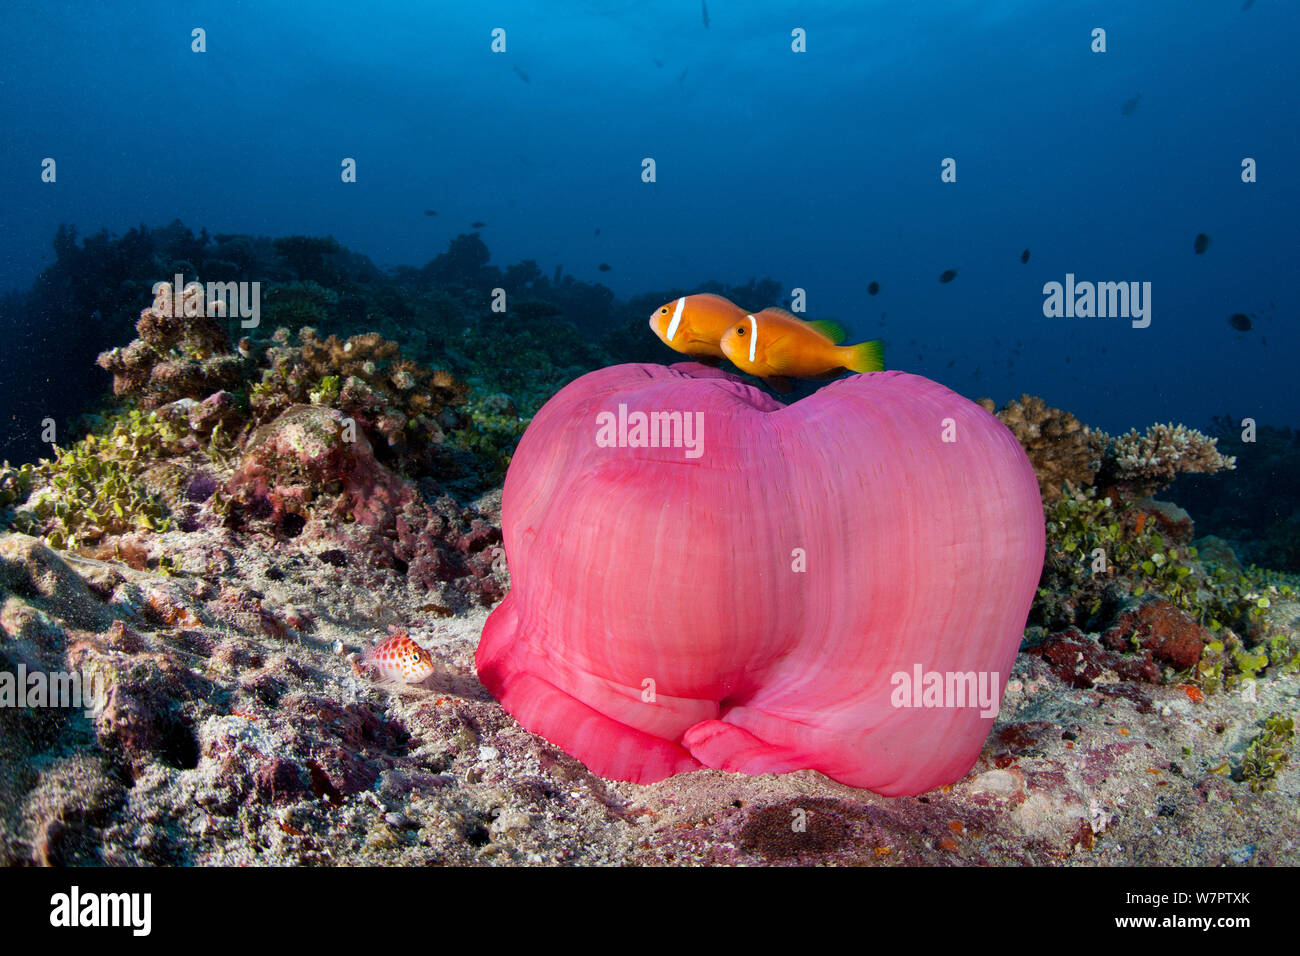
x=867 y=357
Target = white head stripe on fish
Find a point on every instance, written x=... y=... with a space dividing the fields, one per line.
x=753 y=339
x=677 y=318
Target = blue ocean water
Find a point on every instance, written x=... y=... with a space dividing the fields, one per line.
x=821 y=168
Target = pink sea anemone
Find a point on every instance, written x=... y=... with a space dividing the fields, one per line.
x=738 y=584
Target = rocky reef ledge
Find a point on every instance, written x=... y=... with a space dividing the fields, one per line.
x=237 y=728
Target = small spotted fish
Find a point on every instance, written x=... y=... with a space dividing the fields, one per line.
x=399 y=658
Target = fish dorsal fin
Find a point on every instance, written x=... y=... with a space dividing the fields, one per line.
x=832 y=330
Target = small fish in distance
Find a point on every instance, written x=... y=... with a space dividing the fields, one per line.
x=1241 y=322
x=1024 y=256
x=603 y=267
x=948 y=275
x=477 y=225
x=873 y=288
x=1202 y=243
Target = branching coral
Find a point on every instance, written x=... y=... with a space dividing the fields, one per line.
x=1142 y=463
x=181 y=352
x=1058 y=445
x=404 y=406
x=1066 y=454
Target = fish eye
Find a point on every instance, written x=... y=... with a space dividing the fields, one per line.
x=664 y=310
x=740 y=330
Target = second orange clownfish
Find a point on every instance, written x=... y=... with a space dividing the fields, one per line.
x=774 y=344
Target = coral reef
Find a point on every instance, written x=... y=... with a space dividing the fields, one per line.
x=306 y=256
x=181 y=352
x=1068 y=455
x=307 y=453
x=1268 y=753
x=236 y=731
x=1060 y=448
x=219 y=555
x=406 y=408
x=1141 y=463
x=297 y=304
x=99 y=486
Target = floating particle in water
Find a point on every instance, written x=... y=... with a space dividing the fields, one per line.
x=1024 y=256
x=522 y=75
x=1202 y=243
x=951 y=363
x=704 y=12
x=431 y=212
x=659 y=63
x=873 y=288
x=603 y=267
x=1130 y=105
x=477 y=225
x=1241 y=322
x=948 y=275
x=598 y=230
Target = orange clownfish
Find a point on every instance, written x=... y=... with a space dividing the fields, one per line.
x=694 y=325
x=775 y=345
